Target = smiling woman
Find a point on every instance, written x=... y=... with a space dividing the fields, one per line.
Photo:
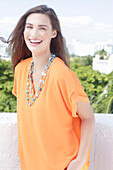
x=55 y=120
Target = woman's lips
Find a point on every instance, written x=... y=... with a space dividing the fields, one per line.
x=35 y=41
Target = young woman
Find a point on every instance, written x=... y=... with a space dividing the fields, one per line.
x=55 y=120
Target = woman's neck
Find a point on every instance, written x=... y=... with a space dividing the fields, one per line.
x=40 y=61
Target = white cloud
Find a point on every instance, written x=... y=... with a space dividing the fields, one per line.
x=104 y=28
x=85 y=29
x=75 y=21
x=8 y=20
x=85 y=23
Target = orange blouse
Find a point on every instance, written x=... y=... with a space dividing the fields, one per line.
x=47 y=137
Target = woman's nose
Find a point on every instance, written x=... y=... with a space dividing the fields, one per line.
x=35 y=32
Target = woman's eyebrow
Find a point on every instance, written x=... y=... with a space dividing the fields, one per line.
x=42 y=25
x=29 y=24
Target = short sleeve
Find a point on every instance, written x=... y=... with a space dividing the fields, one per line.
x=77 y=95
x=71 y=90
x=14 y=90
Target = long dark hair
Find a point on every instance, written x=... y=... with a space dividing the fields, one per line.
x=18 y=46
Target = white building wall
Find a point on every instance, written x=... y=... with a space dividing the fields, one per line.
x=103 y=66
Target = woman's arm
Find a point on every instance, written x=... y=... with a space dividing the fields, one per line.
x=86 y=115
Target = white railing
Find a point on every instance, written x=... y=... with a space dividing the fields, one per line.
x=101 y=150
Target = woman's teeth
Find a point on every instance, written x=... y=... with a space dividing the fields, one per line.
x=35 y=41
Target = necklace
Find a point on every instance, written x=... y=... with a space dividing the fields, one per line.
x=29 y=92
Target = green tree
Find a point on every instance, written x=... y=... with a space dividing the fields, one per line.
x=102 y=101
x=7 y=100
x=110 y=106
x=101 y=53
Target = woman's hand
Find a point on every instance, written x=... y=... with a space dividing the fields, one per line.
x=76 y=164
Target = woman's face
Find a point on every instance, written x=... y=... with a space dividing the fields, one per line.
x=38 y=33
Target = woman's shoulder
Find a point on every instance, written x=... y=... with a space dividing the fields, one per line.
x=59 y=68
x=23 y=64
x=60 y=71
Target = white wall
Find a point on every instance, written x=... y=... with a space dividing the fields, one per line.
x=102 y=143
x=9 y=159
x=101 y=151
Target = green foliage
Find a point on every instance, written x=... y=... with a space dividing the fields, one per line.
x=102 y=53
x=84 y=61
x=7 y=100
x=93 y=82
x=110 y=106
x=101 y=105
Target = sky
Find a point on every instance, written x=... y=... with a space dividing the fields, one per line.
x=83 y=22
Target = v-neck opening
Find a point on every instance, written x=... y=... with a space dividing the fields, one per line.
x=34 y=92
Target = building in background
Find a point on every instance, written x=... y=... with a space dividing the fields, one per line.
x=104 y=65
x=107 y=46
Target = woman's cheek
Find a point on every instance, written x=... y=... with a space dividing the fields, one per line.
x=44 y=34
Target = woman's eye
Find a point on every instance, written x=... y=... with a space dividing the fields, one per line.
x=29 y=27
x=42 y=28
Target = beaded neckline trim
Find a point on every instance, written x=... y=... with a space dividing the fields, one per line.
x=30 y=96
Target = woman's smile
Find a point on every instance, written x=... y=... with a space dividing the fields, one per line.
x=35 y=42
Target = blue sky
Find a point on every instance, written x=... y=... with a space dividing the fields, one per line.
x=86 y=21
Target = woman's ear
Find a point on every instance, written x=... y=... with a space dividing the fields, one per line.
x=54 y=34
